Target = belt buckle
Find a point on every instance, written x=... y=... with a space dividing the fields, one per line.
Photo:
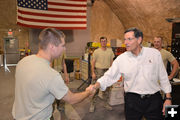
x=145 y=96
x=142 y=96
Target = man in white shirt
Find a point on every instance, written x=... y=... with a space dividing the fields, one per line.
x=141 y=68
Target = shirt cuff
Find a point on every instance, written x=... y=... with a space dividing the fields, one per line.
x=102 y=86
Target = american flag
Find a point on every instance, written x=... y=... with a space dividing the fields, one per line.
x=60 y=14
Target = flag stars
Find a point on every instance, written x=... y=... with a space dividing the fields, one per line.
x=34 y=4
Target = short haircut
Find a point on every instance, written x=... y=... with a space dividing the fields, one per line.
x=159 y=37
x=103 y=38
x=137 y=33
x=50 y=36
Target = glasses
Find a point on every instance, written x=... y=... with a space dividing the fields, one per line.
x=129 y=39
x=103 y=41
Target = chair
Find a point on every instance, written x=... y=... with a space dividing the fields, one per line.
x=69 y=65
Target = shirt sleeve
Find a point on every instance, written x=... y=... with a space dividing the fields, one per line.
x=170 y=57
x=110 y=77
x=112 y=54
x=94 y=55
x=64 y=55
x=163 y=77
x=57 y=87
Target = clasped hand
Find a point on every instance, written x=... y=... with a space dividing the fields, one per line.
x=91 y=89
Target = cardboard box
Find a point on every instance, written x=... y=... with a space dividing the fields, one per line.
x=116 y=96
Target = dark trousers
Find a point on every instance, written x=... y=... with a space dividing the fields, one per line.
x=149 y=107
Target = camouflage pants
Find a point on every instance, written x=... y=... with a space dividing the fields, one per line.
x=61 y=107
x=99 y=73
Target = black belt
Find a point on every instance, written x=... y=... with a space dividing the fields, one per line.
x=143 y=95
x=102 y=69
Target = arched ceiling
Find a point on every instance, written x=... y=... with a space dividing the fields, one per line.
x=148 y=15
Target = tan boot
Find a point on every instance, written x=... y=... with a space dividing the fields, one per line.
x=100 y=94
x=108 y=107
x=92 y=107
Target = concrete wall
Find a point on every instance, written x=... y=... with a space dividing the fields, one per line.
x=8 y=21
x=104 y=22
x=148 y=15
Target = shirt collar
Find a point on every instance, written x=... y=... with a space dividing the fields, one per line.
x=140 y=54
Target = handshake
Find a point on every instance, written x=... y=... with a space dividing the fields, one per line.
x=92 y=89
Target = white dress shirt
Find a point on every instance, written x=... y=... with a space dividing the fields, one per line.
x=141 y=73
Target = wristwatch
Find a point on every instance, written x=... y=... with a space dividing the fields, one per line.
x=168 y=98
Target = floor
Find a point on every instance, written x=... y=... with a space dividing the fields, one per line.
x=73 y=112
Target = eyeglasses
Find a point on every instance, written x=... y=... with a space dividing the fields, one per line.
x=103 y=41
x=129 y=39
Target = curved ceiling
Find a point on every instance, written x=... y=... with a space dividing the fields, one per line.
x=148 y=15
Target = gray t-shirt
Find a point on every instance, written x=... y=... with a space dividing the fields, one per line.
x=36 y=87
